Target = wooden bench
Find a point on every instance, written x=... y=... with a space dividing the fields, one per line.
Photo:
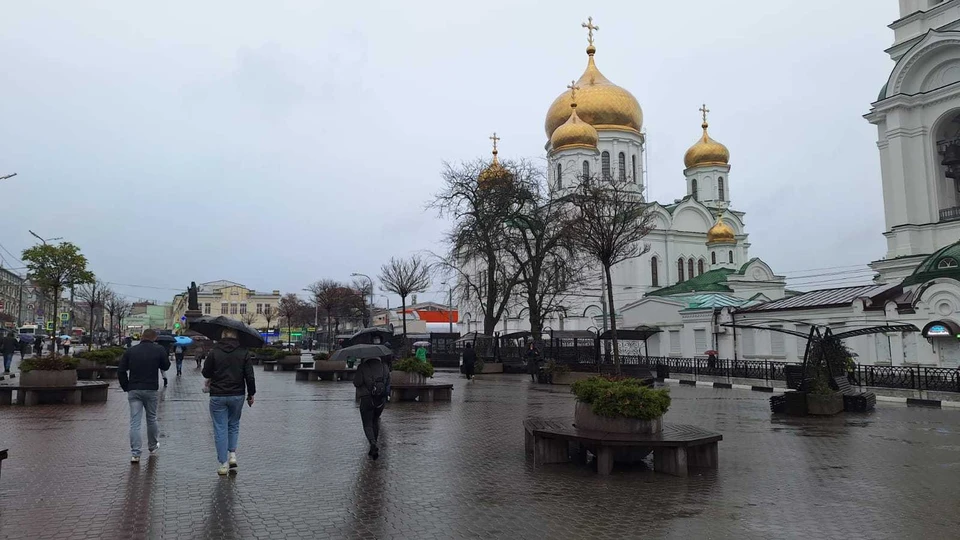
x=81 y=392
x=853 y=400
x=675 y=448
x=421 y=392
x=99 y=372
x=310 y=374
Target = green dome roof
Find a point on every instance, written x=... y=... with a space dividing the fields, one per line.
x=945 y=262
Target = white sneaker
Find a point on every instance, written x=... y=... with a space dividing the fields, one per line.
x=223 y=470
x=134 y=459
x=155 y=450
x=232 y=460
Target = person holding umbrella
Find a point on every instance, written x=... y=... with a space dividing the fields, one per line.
x=372 y=381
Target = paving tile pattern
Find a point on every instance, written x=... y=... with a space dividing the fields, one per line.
x=458 y=470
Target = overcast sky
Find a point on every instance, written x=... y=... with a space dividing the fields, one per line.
x=276 y=143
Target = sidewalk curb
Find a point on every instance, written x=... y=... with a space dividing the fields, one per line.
x=910 y=402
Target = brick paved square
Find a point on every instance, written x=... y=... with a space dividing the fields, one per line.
x=458 y=470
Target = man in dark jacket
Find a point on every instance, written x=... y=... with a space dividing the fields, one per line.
x=469 y=361
x=8 y=346
x=373 y=388
x=144 y=364
x=230 y=371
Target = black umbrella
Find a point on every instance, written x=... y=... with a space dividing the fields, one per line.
x=361 y=352
x=165 y=338
x=212 y=327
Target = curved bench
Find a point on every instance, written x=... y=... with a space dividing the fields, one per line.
x=81 y=392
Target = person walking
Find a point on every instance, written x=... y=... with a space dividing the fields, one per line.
x=8 y=346
x=533 y=361
x=372 y=380
x=178 y=353
x=66 y=345
x=421 y=353
x=37 y=346
x=469 y=361
x=230 y=371
x=137 y=373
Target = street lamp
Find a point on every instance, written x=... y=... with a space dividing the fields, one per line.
x=387 y=298
x=358 y=274
x=449 y=304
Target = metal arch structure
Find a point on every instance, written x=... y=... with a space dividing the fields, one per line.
x=823 y=334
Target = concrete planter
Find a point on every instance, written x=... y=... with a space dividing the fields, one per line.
x=584 y=418
x=405 y=377
x=66 y=377
x=329 y=365
x=87 y=364
x=491 y=367
x=289 y=359
x=824 y=404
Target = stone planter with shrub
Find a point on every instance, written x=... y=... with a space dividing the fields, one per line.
x=411 y=370
x=619 y=405
x=49 y=371
x=824 y=404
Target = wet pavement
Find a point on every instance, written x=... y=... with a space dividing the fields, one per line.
x=458 y=470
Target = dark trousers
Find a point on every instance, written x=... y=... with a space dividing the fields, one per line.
x=469 y=369
x=179 y=358
x=370 y=411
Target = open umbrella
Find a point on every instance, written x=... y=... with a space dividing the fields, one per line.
x=421 y=344
x=212 y=327
x=361 y=352
x=184 y=341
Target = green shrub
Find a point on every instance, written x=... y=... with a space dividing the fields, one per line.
x=414 y=365
x=321 y=356
x=555 y=368
x=48 y=363
x=269 y=353
x=623 y=398
x=109 y=356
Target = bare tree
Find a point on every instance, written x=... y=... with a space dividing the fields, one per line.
x=118 y=308
x=290 y=308
x=364 y=290
x=543 y=251
x=249 y=318
x=608 y=222
x=95 y=295
x=483 y=200
x=334 y=300
x=404 y=277
x=269 y=314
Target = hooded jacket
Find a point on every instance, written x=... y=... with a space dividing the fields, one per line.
x=230 y=370
x=9 y=345
x=368 y=372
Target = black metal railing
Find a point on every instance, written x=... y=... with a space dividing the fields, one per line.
x=950 y=214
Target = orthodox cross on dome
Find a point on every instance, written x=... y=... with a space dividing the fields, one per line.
x=590 y=28
x=573 y=92
x=494 y=138
x=704 y=110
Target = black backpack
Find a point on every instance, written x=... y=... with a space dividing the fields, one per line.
x=379 y=388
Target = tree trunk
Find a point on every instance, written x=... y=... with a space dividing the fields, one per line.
x=91 y=324
x=403 y=316
x=613 y=320
x=330 y=341
x=56 y=319
x=536 y=322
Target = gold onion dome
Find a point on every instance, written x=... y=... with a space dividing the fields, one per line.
x=600 y=103
x=495 y=171
x=721 y=233
x=574 y=133
x=706 y=151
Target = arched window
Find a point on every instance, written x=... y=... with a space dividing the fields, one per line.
x=693 y=189
x=633 y=169
x=679 y=269
x=654 y=273
x=605 y=164
x=713 y=258
x=586 y=169
x=947 y=262
x=559 y=175
x=730 y=256
x=700 y=267
x=622 y=167
x=720 y=188
x=690 y=268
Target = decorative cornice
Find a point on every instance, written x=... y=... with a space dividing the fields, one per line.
x=909 y=133
x=914 y=56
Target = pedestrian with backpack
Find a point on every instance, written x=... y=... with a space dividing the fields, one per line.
x=373 y=388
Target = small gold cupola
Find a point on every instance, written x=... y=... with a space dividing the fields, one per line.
x=706 y=151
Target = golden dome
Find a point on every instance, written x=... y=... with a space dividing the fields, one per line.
x=495 y=172
x=601 y=103
x=721 y=233
x=574 y=133
x=706 y=151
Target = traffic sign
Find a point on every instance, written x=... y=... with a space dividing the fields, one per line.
x=176 y=326
x=183 y=318
x=64 y=317
x=30 y=306
x=50 y=325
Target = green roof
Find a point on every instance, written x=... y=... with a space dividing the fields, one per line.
x=712 y=281
x=931 y=268
x=712 y=300
x=743 y=269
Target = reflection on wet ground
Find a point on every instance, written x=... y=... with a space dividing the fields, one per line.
x=458 y=470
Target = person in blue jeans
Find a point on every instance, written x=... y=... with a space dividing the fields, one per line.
x=230 y=371
x=138 y=373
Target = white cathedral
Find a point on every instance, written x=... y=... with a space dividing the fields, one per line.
x=698 y=274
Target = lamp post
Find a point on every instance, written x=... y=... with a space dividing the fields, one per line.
x=358 y=274
x=449 y=304
x=387 y=298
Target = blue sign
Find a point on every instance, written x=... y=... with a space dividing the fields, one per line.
x=938 y=330
x=183 y=317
